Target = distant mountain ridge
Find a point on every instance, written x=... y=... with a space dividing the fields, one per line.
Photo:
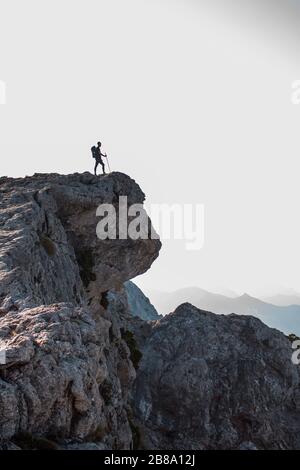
x=283 y=317
x=283 y=300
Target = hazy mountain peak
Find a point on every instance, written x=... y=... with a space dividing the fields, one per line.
x=285 y=317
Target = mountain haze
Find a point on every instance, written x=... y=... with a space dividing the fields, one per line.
x=283 y=317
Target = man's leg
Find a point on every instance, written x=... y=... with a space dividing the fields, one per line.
x=95 y=169
x=103 y=167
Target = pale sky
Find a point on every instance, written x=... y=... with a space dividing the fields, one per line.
x=190 y=98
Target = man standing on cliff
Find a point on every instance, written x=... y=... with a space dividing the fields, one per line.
x=96 y=152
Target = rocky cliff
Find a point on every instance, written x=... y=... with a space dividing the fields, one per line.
x=82 y=372
x=210 y=381
x=68 y=368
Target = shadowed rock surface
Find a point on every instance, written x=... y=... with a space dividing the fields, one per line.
x=139 y=305
x=210 y=381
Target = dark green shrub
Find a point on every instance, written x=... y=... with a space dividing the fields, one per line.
x=86 y=265
x=48 y=245
x=292 y=337
x=135 y=353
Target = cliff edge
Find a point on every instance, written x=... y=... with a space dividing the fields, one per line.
x=68 y=369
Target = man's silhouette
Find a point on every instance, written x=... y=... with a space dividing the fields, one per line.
x=96 y=152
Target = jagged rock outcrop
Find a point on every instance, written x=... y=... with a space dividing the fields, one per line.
x=209 y=381
x=139 y=305
x=48 y=239
x=82 y=372
x=68 y=370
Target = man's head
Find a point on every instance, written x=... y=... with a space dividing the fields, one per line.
x=99 y=144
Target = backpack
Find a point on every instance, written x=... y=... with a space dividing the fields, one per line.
x=94 y=152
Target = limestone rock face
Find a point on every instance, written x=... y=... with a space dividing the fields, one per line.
x=68 y=371
x=210 y=381
x=49 y=247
